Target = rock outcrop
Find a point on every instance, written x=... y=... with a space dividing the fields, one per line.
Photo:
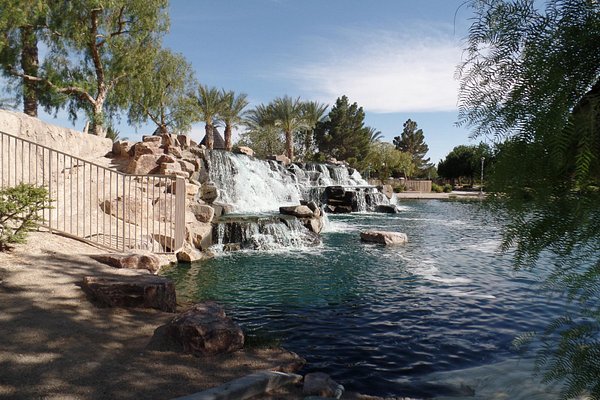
x=146 y=261
x=384 y=237
x=144 y=291
x=204 y=329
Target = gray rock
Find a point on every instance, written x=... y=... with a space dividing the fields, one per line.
x=386 y=209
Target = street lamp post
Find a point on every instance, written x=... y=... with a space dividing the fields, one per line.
x=481 y=182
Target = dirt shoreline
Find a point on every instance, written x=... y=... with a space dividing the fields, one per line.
x=58 y=345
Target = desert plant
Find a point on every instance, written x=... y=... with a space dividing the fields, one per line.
x=436 y=188
x=20 y=208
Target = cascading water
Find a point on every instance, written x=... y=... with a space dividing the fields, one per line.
x=262 y=233
x=254 y=186
x=257 y=188
x=251 y=185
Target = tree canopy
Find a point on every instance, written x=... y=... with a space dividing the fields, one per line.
x=94 y=48
x=531 y=79
x=464 y=162
x=165 y=99
x=342 y=134
x=386 y=160
x=412 y=141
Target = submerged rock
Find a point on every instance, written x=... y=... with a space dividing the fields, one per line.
x=321 y=384
x=384 y=237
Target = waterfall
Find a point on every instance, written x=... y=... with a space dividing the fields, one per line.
x=262 y=233
x=249 y=184
x=253 y=186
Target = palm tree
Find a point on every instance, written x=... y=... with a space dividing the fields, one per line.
x=210 y=105
x=312 y=113
x=287 y=115
x=232 y=113
x=375 y=136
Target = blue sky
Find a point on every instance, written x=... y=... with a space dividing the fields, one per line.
x=395 y=58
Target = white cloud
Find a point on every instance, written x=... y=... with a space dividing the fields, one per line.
x=385 y=72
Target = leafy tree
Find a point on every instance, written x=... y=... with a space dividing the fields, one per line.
x=531 y=78
x=164 y=99
x=22 y=26
x=386 y=159
x=232 y=113
x=412 y=141
x=312 y=113
x=99 y=46
x=465 y=162
x=210 y=106
x=287 y=114
x=343 y=134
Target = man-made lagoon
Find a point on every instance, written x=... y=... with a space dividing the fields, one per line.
x=381 y=320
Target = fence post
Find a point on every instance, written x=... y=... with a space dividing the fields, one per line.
x=179 y=213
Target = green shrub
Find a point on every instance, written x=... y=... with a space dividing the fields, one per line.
x=400 y=188
x=20 y=208
x=436 y=188
x=447 y=188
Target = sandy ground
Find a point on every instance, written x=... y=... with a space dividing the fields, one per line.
x=54 y=344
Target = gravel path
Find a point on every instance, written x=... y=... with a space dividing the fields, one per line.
x=54 y=344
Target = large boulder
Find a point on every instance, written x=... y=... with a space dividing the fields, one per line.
x=132 y=209
x=321 y=384
x=199 y=234
x=245 y=150
x=202 y=212
x=121 y=148
x=280 y=158
x=204 y=329
x=188 y=254
x=314 y=224
x=386 y=209
x=384 y=237
x=147 y=261
x=143 y=164
x=145 y=291
x=297 y=211
x=209 y=192
x=387 y=190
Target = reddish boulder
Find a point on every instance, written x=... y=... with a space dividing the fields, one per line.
x=148 y=261
x=204 y=329
x=146 y=291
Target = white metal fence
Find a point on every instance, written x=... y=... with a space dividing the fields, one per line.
x=98 y=204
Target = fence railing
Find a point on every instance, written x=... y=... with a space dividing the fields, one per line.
x=95 y=203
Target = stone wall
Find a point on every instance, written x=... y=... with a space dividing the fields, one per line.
x=56 y=137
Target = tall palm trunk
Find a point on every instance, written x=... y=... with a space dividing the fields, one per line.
x=228 y=144
x=210 y=138
x=289 y=145
x=29 y=64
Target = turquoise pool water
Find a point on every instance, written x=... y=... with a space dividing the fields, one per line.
x=381 y=319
